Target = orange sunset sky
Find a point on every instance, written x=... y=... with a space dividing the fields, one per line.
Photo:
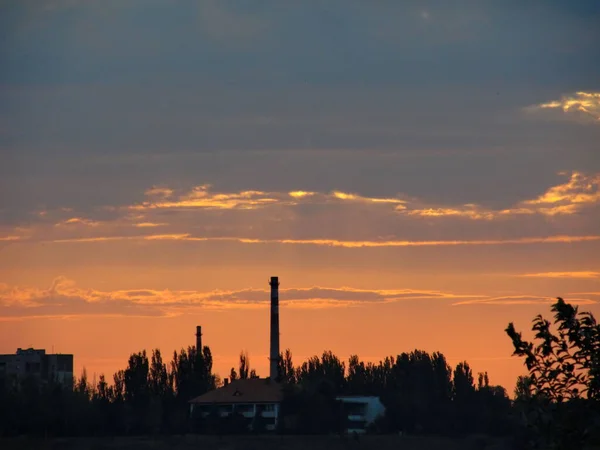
x=418 y=174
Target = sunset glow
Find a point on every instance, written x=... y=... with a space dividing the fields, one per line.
x=414 y=178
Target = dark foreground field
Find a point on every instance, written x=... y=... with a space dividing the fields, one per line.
x=256 y=443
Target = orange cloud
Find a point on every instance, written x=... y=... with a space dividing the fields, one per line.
x=567 y=198
x=564 y=199
x=522 y=300
x=301 y=194
x=580 y=106
x=358 y=198
x=469 y=211
x=65 y=299
x=341 y=243
x=10 y=238
x=149 y=224
x=579 y=190
x=201 y=197
x=79 y=221
x=584 y=274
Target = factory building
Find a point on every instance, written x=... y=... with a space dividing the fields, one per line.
x=255 y=397
x=252 y=397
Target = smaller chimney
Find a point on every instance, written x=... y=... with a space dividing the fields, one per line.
x=199 y=339
x=225 y=382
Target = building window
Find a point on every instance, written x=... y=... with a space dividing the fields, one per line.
x=244 y=408
x=225 y=409
x=355 y=409
x=356 y=424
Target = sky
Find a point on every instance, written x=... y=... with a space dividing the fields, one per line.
x=418 y=174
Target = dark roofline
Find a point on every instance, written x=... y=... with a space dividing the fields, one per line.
x=259 y=402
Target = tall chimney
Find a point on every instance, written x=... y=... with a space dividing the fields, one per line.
x=199 y=339
x=274 y=359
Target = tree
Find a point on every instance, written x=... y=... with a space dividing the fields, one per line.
x=564 y=376
x=285 y=368
x=136 y=380
x=327 y=369
x=523 y=389
x=464 y=385
x=158 y=378
x=244 y=365
x=137 y=390
x=566 y=364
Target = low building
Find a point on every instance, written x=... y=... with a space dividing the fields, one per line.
x=251 y=398
x=37 y=364
x=361 y=411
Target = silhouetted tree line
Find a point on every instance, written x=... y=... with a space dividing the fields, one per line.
x=421 y=393
x=556 y=405
x=147 y=397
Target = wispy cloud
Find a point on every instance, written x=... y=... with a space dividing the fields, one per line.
x=65 y=299
x=581 y=274
x=73 y=221
x=360 y=199
x=522 y=300
x=159 y=191
x=579 y=191
x=566 y=198
x=340 y=243
x=580 y=106
x=10 y=238
x=203 y=197
x=149 y=224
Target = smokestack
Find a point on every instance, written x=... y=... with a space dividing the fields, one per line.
x=274 y=283
x=199 y=339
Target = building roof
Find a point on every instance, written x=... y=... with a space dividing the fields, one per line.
x=251 y=390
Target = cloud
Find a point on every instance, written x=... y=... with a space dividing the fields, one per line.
x=78 y=221
x=65 y=299
x=307 y=217
x=300 y=194
x=583 y=274
x=339 y=243
x=579 y=191
x=580 y=107
x=149 y=225
x=593 y=294
x=10 y=238
x=202 y=197
x=358 y=198
x=468 y=211
x=563 y=199
x=522 y=300
x=159 y=191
